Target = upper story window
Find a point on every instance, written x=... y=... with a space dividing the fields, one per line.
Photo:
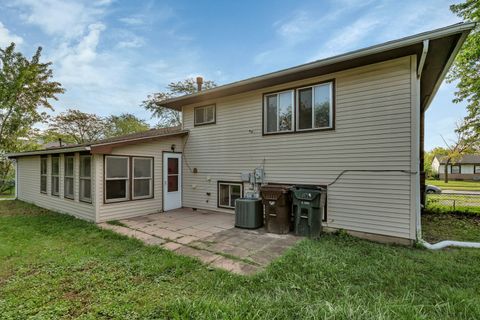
x=278 y=112
x=68 y=177
x=43 y=174
x=300 y=109
x=204 y=115
x=315 y=107
x=55 y=175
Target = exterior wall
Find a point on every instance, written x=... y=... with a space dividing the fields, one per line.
x=121 y=210
x=28 y=181
x=436 y=165
x=375 y=128
x=467 y=172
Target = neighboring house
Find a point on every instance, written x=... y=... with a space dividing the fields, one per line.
x=352 y=123
x=467 y=168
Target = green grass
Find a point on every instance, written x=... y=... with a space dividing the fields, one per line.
x=54 y=266
x=456 y=185
x=454 y=203
x=438 y=226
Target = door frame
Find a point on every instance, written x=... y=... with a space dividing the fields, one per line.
x=180 y=170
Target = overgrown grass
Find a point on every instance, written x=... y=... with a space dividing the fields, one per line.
x=444 y=226
x=54 y=266
x=455 y=185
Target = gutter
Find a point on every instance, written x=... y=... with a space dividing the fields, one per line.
x=48 y=151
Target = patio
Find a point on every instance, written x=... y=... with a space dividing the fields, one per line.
x=208 y=236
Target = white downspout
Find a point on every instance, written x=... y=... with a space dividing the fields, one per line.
x=445 y=243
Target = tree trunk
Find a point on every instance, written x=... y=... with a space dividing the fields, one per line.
x=445 y=171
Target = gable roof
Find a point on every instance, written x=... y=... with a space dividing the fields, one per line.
x=466 y=159
x=439 y=48
x=105 y=145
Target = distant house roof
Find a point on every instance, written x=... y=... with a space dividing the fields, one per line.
x=466 y=159
x=105 y=145
x=435 y=51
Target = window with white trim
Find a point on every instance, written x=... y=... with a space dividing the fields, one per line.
x=117 y=175
x=55 y=175
x=85 y=178
x=68 y=179
x=142 y=177
x=278 y=112
x=43 y=174
x=228 y=192
x=315 y=107
x=204 y=115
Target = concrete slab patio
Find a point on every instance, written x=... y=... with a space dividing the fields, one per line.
x=208 y=236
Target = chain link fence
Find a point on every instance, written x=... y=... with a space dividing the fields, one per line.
x=454 y=202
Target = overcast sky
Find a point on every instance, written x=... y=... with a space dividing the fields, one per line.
x=109 y=55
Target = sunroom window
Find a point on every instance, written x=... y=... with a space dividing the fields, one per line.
x=314 y=107
x=43 y=174
x=85 y=178
x=227 y=194
x=55 y=175
x=68 y=178
x=278 y=113
x=142 y=178
x=204 y=115
x=117 y=175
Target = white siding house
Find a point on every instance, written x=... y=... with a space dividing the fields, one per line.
x=366 y=109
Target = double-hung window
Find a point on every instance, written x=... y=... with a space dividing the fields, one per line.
x=85 y=178
x=68 y=177
x=278 y=112
x=476 y=169
x=142 y=178
x=55 y=175
x=315 y=107
x=204 y=115
x=117 y=175
x=43 y=174
x=228 y=192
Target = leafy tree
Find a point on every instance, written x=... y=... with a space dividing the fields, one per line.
x=168 y=117
x=125 y=123
x=26 y=86
x=78 y=126
x=466 y=68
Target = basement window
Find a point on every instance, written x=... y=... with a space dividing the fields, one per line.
x=278 y=112
x=204 y=115
x=117 y=174
x=228 y=192
x=55 y=175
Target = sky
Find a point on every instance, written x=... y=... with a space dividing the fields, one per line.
x=110 y=55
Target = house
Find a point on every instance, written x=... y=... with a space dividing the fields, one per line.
x=466 y=168
x=352 y=123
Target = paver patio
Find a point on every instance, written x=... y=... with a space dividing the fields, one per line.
x=208 y=236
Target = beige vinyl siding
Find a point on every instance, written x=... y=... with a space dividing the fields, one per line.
x=373 y=130
x=126 y=209
x=29 y=188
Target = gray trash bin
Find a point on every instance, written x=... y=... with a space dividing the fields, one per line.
x=248 y=213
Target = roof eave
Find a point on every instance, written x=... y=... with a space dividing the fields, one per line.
x=47 y=151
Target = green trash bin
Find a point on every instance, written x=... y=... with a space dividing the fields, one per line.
x=308 y=204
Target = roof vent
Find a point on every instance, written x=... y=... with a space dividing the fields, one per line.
x=199 y=83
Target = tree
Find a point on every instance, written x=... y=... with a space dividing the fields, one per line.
x=168 y=117
x=78 y=126
x=26 y=86
x=466 y=68
x=123 y=124
x=465 y=142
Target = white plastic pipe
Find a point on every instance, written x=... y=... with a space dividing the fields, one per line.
x=449 y=243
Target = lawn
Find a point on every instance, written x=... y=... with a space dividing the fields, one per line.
x=440 y=226
x=456 y=185
x=54 y=266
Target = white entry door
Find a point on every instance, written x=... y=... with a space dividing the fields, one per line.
x=172 y=181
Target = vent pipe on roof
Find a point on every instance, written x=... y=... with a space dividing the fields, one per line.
x=199 y=83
